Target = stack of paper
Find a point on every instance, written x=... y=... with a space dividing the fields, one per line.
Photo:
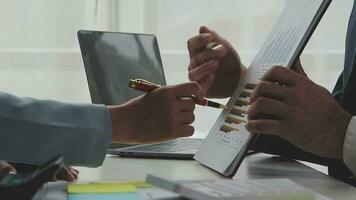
x=118 y=191
x=103 y=191
x=227 y=189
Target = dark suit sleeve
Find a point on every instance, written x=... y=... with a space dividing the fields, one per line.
x=339 y=87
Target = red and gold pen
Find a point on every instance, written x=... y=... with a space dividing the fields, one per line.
x=146 y=86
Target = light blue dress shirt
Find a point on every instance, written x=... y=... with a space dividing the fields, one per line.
x=33 y=131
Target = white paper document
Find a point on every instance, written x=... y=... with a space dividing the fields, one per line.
x=228 y=140
x=157 y=194
x=226 y=189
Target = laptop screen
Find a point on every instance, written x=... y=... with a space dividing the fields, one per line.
x=111 y=59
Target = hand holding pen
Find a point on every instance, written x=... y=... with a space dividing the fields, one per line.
x=146 y=86
x=165 y=113
x=214 y=63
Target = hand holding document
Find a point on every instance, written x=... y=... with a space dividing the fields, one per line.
x=283 y=46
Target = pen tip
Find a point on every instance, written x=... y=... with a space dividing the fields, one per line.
x=223 y=107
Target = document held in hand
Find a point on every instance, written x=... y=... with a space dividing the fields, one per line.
x=227 y=142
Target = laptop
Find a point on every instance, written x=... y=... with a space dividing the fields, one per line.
x=111 y=59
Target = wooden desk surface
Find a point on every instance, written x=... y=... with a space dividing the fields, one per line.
x=255 y=166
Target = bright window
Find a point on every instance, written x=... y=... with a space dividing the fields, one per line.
x=39 y=53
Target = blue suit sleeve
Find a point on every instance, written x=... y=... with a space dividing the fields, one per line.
x=33 y=131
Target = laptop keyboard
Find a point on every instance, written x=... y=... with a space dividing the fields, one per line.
x=171 y=146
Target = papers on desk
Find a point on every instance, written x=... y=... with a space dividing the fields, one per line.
x=105 y=196
x=227 y=189
x=156 y=188
x=103 y=191
x=101 y=188
x=52 y=191
x=118 y=191
x=137 y=190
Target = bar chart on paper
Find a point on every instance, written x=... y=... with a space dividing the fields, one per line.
x=282 y=47
x=235 y=120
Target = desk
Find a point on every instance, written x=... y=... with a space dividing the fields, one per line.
x=255 y=166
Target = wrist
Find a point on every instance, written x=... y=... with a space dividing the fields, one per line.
x=243 y=70
x=120 y=121
x=226 y=82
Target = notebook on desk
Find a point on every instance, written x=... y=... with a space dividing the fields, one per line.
x=228 y=141
x=111 y=59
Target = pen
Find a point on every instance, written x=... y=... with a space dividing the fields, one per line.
x=213 y=46
x=146 y=86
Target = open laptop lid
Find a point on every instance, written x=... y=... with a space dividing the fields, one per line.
x=111 y=59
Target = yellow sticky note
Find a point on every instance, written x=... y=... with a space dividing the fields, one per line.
x=140 y=184
x=101 y=188
x=137 y=184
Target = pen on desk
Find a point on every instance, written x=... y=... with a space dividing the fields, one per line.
x=146 y=86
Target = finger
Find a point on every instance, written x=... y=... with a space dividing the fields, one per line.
x=184 y=131
x=206 y=56
x=77 y=171
x=263 y=126
x=186 y=104
x=203 y=70
x=204 y=29
x=187 y=89
x=185 y=118
x=270 y=90
x=267 y=108
x=281 y=75
x=65 y=175
x=197 y=43
x=207 y=82
x=74 y=174
x=73 y=171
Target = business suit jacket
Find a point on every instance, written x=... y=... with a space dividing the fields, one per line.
x=33 y=131
x=345 y=94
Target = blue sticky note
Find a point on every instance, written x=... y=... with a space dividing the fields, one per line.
x=105 y=196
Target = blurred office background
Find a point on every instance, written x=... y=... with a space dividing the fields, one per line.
x=40 y=57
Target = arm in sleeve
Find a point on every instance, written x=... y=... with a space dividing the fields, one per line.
x=349 y=151
x=33 y=131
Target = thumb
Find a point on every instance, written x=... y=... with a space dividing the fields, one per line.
x=201 y=92
x=297 y=67
x=204 y=29
x=187 y=89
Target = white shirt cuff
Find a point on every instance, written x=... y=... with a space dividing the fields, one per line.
x=349 y=151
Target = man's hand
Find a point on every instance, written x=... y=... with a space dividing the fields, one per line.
x=289 y=105
x=68 y=173
x=6 y=168
x=165 y=113
x=217 y=70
